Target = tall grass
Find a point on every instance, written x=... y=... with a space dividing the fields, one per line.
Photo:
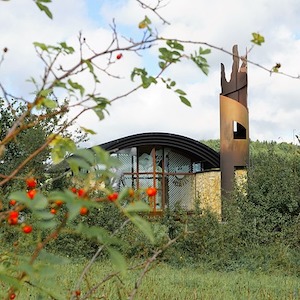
x=165 y=282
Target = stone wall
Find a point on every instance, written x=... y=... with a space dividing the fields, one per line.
x=208 y=190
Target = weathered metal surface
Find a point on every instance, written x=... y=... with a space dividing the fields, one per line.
x=234 y=122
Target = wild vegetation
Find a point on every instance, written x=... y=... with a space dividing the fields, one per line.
x=55 y=229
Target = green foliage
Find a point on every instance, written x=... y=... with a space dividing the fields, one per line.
x=201 y=61
x=143 y=74
x=257 y=39
x=44 y=8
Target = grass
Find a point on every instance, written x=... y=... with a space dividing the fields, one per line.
x=165 y=282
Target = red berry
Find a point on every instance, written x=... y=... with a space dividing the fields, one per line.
x=81 y=193
x=74 y=190
x=151 y=191
x=119 y=56
x=77 y=293
x=13 y=214
x=12 y=221
x=31 y=183
x=53 y=211
x=12 y=296
x=12 y=202
x=27 y=229
x=113 y=197
x=31 y=194
x=83 y=211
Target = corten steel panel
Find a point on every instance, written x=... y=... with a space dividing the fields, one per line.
x=234 y=152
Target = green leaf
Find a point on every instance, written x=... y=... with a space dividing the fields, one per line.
x=60 y=84
x=180 y=92
x=49 y=103
x=42 y=46
x=44 y=8
x=100 y=233
x=144 y=226
x=257 y=39
x=175 y=45
x=137 y=206
x=76 y=86
x=90 y=131
x=205 y=51
x=185 y=101
x=67 y=49
x=99 y=112
x=11 y=281
x=118 y=260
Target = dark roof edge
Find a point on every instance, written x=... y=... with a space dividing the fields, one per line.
x=166 y=139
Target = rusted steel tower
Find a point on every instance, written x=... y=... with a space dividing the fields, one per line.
x=234 y=122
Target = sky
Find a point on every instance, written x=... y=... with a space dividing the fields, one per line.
x=273 y=100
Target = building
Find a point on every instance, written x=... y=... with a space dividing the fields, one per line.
x=181 y=169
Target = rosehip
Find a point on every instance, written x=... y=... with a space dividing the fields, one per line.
x=131 y=192
x=74 y=190
x=83 y=211
x=59 y=202
x=31 y=194
x=151 y=191
x=12 y=202
x=12 y=221
x=12 y=296
x=119 y=56
x=31 y=183
x=81 y=193
x=113 y=197
x=27 y=229
x=13 y=218
x=13 y=214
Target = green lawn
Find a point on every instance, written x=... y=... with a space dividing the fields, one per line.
x=166 y=282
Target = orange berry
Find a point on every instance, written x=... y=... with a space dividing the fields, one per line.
x=131 y=192
x=12 y=202
x=31 y=183
x=53 y=211
x=113 y=197
x=151 y=191
x=27 y=228
x=83 y=211
x=59 y=202
x=31 y=194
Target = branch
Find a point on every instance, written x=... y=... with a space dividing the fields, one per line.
x=154 y=9
x=91 y=262
x=148 y=264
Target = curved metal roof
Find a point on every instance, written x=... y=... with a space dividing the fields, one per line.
x=192 y=148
